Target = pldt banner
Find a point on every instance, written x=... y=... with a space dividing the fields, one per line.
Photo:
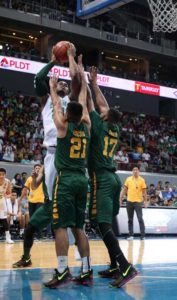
x=32 y=67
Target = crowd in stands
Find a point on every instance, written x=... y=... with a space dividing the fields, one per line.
x=161 y=195
x=149 y=141
x=29 y=52
x=22 y=135
x=62 y=10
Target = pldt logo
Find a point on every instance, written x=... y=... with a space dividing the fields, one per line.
x=175 y=93
x=4 y=63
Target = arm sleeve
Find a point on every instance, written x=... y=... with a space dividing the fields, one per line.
x=95 y=121
x=41 y=84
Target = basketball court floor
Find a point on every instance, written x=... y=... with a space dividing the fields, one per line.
x=155 y=258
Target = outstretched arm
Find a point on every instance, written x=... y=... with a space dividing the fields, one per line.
x=83 y=96
x=37 y=178
x=90 y=103
x=40 y=84
x=74 y=73
x=100 y=99
x=58 y=117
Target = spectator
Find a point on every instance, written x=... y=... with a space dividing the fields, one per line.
x=146 y=156
x=153 y=201
x=174 y=193
x=143 y=165
x=1 y=151
x=35 y=197
x=23 y=177
x=135 y=188
x=17 y=184
x=13 y=215
x=26 y=160
x=167 y=186
x=5 y=191
x=2 y=132
x=152 y=190
x=9 y=153
x=24 y=210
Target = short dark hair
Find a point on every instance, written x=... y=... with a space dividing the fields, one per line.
x=136 y=166
x=14 y=191
x=37 y=165
x=23 y=173
x=3 y=170
x=114 y=115
x=74 y=111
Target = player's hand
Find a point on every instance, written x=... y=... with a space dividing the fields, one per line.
x=145 y=204
x=53 y=58
x=81 y=68
x=71 y=50
x=104 y=114
x=79 y=60
x=34 y=174
x=53 y=82
x=92 y=75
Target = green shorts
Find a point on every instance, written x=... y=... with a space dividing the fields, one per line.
x=104 y=199
x=42 y=216
x=69 y=200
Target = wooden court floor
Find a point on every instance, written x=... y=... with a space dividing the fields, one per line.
x=155 y=258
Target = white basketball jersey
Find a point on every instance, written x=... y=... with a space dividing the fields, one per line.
x=50 y=131
x=3 y=191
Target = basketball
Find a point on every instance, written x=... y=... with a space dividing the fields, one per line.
x=60 y=51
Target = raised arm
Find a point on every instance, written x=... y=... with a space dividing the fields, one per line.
x=41 y=84
x=83 y=96
x=100 y=99
x=58 y=116
x=74 y=73
x=37 y=178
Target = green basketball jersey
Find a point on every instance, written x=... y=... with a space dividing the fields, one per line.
x=71 y=152
x=103 y=145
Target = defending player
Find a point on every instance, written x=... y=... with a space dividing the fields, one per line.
x=105 y=183
x=43 y=215
x=70 y=193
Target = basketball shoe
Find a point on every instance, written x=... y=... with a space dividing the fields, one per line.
x=59 y=278
x=23 y=262
x=111 y=272
x=124 y=277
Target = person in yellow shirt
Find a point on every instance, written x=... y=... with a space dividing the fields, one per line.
x=35 y=196
x=135 y=189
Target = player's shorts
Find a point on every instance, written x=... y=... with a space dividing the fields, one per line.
x=69 y=199
x=104 y=197
x=42 y=216
x=49 y=170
